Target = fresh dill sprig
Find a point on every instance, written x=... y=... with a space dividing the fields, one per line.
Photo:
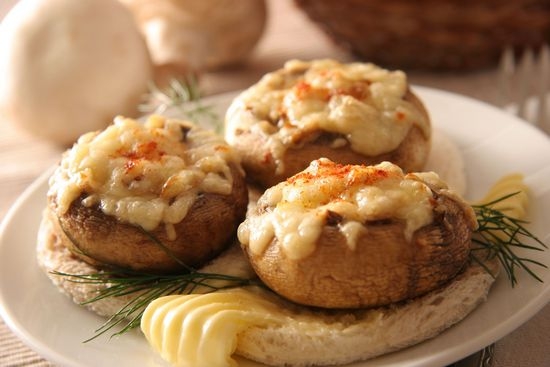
x=181 y=98
x=142 y=288
x=500 y=235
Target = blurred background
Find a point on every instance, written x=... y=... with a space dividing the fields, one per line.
x=454 y=45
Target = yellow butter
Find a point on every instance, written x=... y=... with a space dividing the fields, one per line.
x=514 y=206
x=201 y=330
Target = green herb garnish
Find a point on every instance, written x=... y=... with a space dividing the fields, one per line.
x=146 y=288
x=181 y=98
x=501 y=235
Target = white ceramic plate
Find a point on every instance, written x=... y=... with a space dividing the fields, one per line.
x=493 y=144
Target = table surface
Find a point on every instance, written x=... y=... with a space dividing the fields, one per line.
x=288 y=34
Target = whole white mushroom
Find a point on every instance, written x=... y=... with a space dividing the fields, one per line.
x=70 y=66
x=191 y=35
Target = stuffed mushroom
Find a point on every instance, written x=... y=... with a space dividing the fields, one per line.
x=160 y=196
x=353 y=113
x=352 y=236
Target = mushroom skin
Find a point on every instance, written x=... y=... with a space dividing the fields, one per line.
x=104 y=241
x=384 y=267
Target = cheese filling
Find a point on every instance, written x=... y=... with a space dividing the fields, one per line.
x=144 y=173
x=295 y=211
x=360 y=102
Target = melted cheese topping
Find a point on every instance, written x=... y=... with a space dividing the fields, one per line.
x=144 y=174
x=296 y=211
x=202 y=330
x=361 y=102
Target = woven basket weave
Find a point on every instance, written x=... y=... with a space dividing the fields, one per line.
x=432 y=34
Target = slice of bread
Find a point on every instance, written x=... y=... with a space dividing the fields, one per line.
x=446 y=159
x=319 y=339
x=53 y=256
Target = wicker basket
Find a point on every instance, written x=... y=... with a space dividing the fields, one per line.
x=432 y=34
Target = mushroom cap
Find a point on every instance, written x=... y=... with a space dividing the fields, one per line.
x=188 y=36
x=69 y=67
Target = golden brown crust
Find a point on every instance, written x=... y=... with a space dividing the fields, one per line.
x=208 y=229
x=383 y=268
x=260 y=166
